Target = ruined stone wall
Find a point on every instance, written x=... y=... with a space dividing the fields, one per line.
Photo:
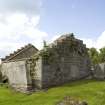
x=63 y=61
x=16 y=74
x=34 y=73
x=25 y=54
x=23 y=75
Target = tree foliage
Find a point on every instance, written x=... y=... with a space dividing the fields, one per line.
x=102 y=55
x=94 y=55
x=97 y=56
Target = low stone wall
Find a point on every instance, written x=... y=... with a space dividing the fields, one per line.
x=99 y=71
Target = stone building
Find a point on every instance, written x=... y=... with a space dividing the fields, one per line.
x=64 y=60
x=14 y=67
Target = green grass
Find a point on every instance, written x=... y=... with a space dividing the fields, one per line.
x=89 y=90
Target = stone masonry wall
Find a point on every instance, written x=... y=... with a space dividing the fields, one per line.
x=63 y=61
x=34 y=73
x=25 y=54
x=16 y=74
x=23 y=75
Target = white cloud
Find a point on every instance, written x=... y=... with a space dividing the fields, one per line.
x=18 y=31
x=98 y=43
x=89 y=42
x=19 y=21
x=101 y=41
x=54 y=38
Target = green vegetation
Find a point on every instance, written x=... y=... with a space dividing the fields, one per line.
x=102 y=55
x=89 y=90
x=45 y=44
x=94 y=55
x=97 y=56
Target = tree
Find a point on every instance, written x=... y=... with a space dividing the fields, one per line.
x=102 y=55
x=94 y=55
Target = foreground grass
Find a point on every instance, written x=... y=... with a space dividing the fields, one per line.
x=89 y=90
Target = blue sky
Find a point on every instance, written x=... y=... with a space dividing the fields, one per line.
x=32 y=21
x=85 y=18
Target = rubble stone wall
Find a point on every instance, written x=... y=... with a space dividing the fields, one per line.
x=99 y=71
x=16 y=74
x=62 y=61
x=34 y=73
x=23 y=75
x=65 y=60
x=25 y=54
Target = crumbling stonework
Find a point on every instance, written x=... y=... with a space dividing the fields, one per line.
x=34 y=73
x=22 y=53
x=23 y=75
x=62 y=61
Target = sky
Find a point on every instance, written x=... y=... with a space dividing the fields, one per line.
x=32 y=21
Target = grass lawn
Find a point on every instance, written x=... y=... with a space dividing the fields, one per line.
x=90 y=90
